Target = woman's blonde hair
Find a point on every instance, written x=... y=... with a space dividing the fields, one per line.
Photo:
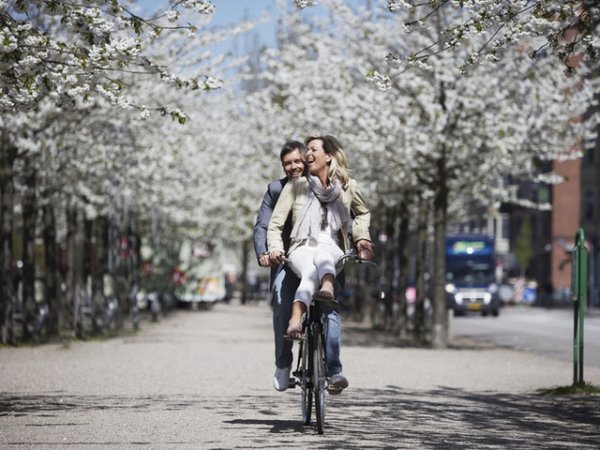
x=338 y=168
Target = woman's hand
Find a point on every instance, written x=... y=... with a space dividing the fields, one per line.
x=364 y=249
x=276 y=257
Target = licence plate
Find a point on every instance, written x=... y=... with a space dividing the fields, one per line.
x=474 y=306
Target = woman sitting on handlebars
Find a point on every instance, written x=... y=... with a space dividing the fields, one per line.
x=320 y=203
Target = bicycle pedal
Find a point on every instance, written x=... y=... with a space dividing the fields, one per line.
x=334 y=390
x=290 y=338
x=292 y=383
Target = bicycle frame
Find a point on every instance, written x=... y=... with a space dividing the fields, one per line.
x=311 y=370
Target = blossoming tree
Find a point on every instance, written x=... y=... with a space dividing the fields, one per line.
x=456 y=133
x=78 y=78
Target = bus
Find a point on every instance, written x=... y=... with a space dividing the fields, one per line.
x=470 y=274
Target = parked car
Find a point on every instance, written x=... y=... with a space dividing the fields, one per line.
x=203 y=290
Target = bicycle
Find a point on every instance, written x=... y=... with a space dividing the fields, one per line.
x=110 y=305
x=134 y=310
x=84 y=312
x=311 y=368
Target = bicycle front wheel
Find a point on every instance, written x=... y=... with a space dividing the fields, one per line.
x=305 y=382
x=319 y=378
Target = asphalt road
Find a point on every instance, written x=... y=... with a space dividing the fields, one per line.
x=202 y=380
x=542 y=331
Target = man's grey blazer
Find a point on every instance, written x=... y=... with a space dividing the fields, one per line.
x=262 y=222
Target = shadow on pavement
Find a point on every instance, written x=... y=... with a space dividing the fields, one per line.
x=443 y=418
x=359 y=335
x=453 y=418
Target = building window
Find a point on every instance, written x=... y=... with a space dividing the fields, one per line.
x=590 y=155
x=589 y=200
x=543 y=194
x=505 y=227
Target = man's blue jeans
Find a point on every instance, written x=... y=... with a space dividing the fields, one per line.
x=284 y=287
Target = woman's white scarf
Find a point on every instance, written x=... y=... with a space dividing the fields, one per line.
x=308 y=224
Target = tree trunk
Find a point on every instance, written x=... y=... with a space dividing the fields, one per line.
x=439 y=336
x=421 y=255
x=52 y=275
x=122 y=291
x=116 y=263
x=8 y=155
x=99 y=268
x=86 y=264
x=71 y=278
x=353 y=285
x=29 y=211
x=389 y=300
x=371 y=284
x=403 y=267
x=97 y=275
x=133 y=258
x=134 y=247
x=86 y=275
x=244 y=275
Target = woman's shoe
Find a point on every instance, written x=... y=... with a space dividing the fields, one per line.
x=325 y=297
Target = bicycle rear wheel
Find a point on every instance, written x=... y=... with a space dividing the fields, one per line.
x=319 y=377
x=305 y=382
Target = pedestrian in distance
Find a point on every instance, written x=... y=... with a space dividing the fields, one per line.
x=323 y=205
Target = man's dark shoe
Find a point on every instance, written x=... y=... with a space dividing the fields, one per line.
x=281 y=379
x=337 y=383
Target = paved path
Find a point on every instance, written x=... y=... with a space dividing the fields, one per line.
x=202 y=380
x=547 y=332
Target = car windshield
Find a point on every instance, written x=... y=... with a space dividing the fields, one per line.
x=469 y=272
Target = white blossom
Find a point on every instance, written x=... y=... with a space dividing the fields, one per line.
x=200 y=6
x=213 y=83
x=173 y=15
x=94 y=41
x=305 y=3
x=383 y=82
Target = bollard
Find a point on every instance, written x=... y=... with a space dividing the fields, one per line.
x=579 y=289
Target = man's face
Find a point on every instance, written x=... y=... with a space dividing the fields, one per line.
x=293 y=164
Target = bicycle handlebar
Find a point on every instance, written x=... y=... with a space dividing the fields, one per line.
x=354 y=256
x=349 y=255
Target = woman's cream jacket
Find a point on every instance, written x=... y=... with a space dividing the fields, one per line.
x=292 y=198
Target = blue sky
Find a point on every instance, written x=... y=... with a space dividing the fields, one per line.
x=229 y=12
x=232 y=11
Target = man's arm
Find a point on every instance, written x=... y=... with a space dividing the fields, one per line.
x=260 y=228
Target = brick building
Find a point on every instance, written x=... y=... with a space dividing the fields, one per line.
x=566 y=210
x=590 y=213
